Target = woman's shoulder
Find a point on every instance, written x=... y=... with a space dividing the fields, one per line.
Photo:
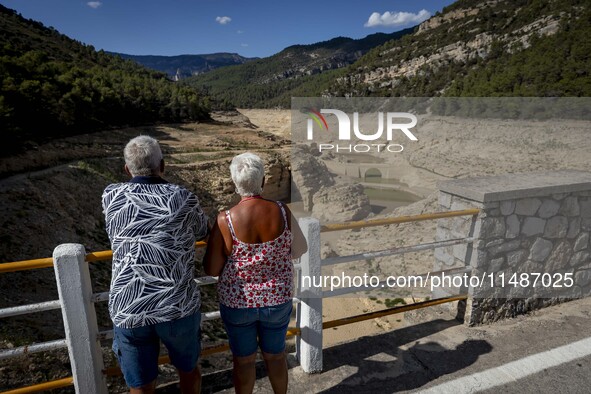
x=221 y=217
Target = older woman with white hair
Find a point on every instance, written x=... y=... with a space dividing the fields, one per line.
x=250 y=249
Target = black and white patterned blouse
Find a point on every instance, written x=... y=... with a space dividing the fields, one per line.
x=153 y=226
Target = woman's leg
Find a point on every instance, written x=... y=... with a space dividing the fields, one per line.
x=272 y=329
x=241 y=326
x=244 y=373
x=137 y=350
x=277 y=370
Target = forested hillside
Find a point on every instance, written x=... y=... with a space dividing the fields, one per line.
x=552 y=66
x=54 y=86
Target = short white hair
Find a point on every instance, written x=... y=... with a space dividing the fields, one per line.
x=143 y=156
x=248 y=172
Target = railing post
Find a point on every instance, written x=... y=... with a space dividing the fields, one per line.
x=75 y=292
x=309 y=347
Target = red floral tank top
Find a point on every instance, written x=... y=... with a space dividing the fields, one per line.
x=257 y=274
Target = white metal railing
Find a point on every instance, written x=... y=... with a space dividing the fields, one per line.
x=72 y=265
x=96 y=297
x=34 y=348
x=30 y=308
x=309 y=312
x=82 y=335
x=394 y=251
x=56 y=304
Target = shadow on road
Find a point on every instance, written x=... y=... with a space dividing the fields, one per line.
x=391 y=362
x=381 y=364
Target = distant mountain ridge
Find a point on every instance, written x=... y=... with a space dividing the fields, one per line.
x=271 y=81
x=184 y=66
x=471 y=48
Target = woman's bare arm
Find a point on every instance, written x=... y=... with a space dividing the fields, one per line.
x=215 y=254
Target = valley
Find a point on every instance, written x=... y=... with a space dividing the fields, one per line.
x=67 y=110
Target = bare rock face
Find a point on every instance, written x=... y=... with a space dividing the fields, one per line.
x=277 y=178
x=436 y=21
x=341 y=203
x=309 y=175
x=327 y=250
x=320 y=193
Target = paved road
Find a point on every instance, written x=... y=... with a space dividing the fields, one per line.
x=545 y=352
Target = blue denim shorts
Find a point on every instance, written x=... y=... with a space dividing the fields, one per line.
x=244 y=325
x=137 y=349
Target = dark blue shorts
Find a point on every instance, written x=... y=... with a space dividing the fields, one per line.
x=137 y=349
x=244 y=325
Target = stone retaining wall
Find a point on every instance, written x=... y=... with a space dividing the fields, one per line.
x=529 y=224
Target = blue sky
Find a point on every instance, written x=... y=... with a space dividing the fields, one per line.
x=250 y=28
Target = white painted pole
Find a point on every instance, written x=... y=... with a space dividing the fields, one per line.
x=75 y=292
x=310 y=342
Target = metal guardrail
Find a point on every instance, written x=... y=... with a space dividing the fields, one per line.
x=394 y=251
x=107 y=255
x=47 y=262
x=311 y=320
x=30 y=308
x=397 y=220
x=391 y=311
x=53 y=384
x=116 y=371
x=26 y=265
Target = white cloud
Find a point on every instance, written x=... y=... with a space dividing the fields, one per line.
x=243 y=45
x=397 y=18
x=239 y=31
x=94 y=4
x=223 y=20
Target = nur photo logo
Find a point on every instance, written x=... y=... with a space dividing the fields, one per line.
x=390 y=125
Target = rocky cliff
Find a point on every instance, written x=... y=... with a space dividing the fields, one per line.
x=322 y=193
x=472 y=37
